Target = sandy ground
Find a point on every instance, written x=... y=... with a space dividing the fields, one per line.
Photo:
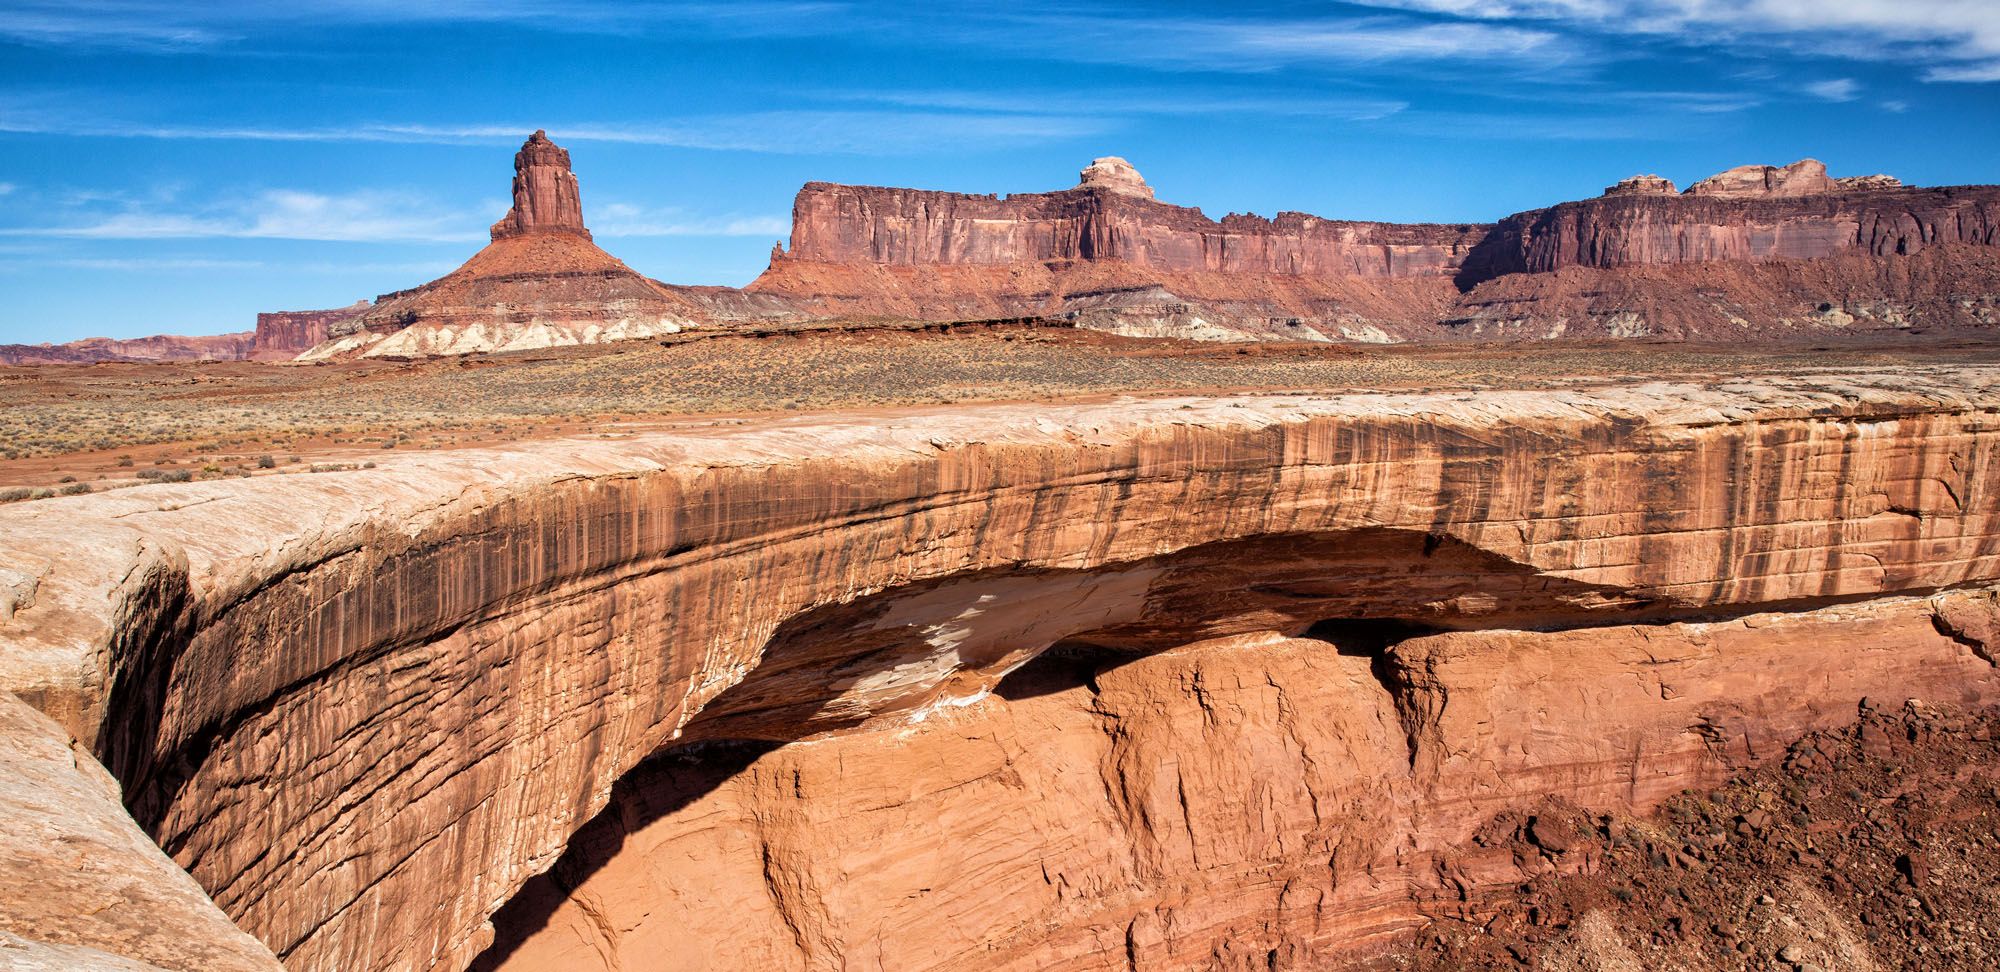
x=102 y=426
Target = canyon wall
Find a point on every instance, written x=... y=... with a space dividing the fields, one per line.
x=1255 y=802
x=1640 y=230
x=364 y=708
x=910 y=227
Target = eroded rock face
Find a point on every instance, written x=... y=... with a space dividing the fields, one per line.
x=159 y=347
x=82 y=888
x=1249 y=802
x=282 y=335
x=1113 y=260
x=1737 y=228
x=363 y=708
x=1802 y=178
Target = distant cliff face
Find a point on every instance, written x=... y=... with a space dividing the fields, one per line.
x=1096 y=222
x=1635 y=229
x=283 y=334
x=1110 y=256
x=158 y=347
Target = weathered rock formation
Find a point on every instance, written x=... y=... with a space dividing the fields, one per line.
x=364 y=708
x=279 y=336
x=1805 y=177
x=1759 y=252
x=1642 y=185
x=540 y=283
x=1251 y=802
x=1110 y=255
x=1115 y=174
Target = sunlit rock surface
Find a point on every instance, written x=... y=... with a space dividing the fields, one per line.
x=365 y=708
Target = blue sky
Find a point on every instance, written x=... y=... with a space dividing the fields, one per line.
x=174 y=167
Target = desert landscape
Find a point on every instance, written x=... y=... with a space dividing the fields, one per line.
x=1062 y=579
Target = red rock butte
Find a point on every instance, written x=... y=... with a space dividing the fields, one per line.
x=541 y=282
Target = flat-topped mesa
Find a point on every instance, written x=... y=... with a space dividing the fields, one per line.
x=1114 y=174
x=1748 y=214
x=1111 y=215
x=546 y=198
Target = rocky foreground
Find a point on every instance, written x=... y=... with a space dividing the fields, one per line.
x=1166 y=684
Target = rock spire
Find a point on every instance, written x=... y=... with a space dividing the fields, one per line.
x=546 y=199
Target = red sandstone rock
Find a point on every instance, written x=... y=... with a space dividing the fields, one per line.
x=1125 y=263
x=1210 y=806
x=546 y=198
x=540 y=283
x=364 y=707
x=1621 y=231
x=282 y=335
x=1867 y=183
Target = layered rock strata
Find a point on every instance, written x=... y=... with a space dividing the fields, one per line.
x=1252 y=802
x=364 y=708
x=546 y=196
x=282 y=335
x=1111 y=258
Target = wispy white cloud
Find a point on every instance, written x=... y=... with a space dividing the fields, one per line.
x=1125 y=102
x=7 y=188
x=863 y=132
x=619 y=219
x=1254 y=44
x=367 y=216
x=173 y=264
x=1835 y=89
x=1964 y=34
x=176 y=25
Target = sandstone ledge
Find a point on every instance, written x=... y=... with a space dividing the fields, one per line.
x=335 y=697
